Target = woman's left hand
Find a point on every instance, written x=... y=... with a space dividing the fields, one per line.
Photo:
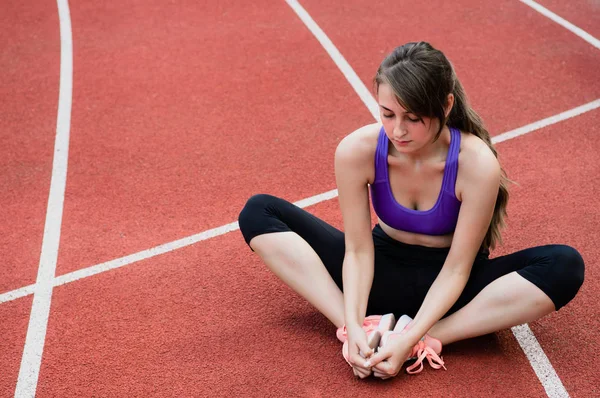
x=388 y=361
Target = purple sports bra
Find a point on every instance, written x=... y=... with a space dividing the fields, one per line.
x=441 y=218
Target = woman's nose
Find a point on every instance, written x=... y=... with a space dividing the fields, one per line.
x=399 y=131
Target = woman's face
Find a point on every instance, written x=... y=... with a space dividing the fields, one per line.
x=407 y=132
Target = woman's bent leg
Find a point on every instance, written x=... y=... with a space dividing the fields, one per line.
x=508 y=301
x=536 y=282
x=303 y=251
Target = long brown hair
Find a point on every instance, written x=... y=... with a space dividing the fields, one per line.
x=421 y=78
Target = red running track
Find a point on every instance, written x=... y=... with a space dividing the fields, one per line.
x=583 y=14
x=516 y=65
x=182 y=111
x=29 y=89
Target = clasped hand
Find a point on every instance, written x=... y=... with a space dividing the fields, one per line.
x=386 y=363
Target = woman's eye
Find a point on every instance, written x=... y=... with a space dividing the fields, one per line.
x=388 y=116
x=413 y=120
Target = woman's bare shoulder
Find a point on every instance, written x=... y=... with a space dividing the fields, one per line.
x=354 y=155
x=474 y=152
x=360 y=143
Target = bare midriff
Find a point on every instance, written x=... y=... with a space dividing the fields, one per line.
x=411 y=238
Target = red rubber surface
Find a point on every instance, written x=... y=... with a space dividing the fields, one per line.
x=178 y=118
x=181 y=111
x=30 y=61
x=516 y=65
x=556 y=202
x=585 y=14
x=182 y=324
x=13 y=328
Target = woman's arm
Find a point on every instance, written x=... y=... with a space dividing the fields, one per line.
x=353 y=165
x=480 y=180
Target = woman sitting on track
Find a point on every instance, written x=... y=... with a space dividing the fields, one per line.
x=440 y=196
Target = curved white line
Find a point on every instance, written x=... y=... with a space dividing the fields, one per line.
x=563 y=22
x=233 y=226
x=31 y=362
x=40 y=310
x=337 y=57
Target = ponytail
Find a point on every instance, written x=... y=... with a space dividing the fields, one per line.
x=463 y=117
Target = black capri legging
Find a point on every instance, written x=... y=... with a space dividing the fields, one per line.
x=404 y=273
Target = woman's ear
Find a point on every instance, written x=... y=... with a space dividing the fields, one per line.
x=449 y=104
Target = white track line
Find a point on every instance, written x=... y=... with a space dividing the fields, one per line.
x=211 y=233
x=40 y=310
x=547 y=121
x=563 y=22
x=17 y=293
x=363 y=92
x=142 y=255
x=170 y=246
x=539 y=362
x=542 y=365
x=190 y=240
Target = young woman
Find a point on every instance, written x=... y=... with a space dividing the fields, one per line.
x=440 y=196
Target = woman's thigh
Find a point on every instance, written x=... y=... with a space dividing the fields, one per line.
x=264 y=214
x=557 y=270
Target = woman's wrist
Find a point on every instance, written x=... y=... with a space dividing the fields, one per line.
x=352 y=319
x=413 y=335
x=353 y=312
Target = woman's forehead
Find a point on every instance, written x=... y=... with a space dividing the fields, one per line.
x=387 y=98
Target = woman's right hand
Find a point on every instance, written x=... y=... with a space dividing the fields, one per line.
x=357 y=345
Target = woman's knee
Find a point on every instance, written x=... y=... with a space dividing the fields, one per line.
x=255 y=206
x=571 y=265
x=254 y=220
x=568 y=271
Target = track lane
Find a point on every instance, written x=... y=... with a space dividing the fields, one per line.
x=183 y=324
x=13 y=329
x=555 y=201
x=182 y=111
x=516 y=65
x=251 y=382
x=30 y=62
x=585 y=14
x=184 y=317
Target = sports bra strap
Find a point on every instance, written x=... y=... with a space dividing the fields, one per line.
x=451 y=169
